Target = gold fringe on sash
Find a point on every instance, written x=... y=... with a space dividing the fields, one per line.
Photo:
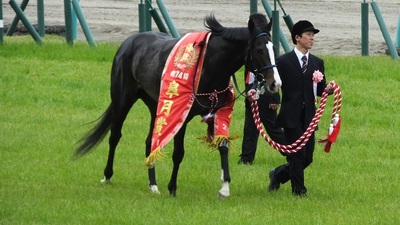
x=219 y=138
x=154 y=156
x=206 y=139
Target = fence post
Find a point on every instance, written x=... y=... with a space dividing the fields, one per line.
x=40 y=18
x=26 y=22
x=286 y=17
x=167 y=18
x=398 y=34
x=253 y=6
x=68 y=22
x=147 y=14
x=282 y=38
x=84 y=25
x=364 y=29
x=158 y=20
x=74 y=23
x=142 y=16
x=384 y=30
x=1 y=22
x=275 y=30
x=15 y=21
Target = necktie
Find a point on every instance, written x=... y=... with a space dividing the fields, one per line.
x=304 y=66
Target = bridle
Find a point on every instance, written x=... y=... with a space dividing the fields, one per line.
x=249 y=62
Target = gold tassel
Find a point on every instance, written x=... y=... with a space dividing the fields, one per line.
x=233 y=137
x=154 y=156
x=205 y=139
x=216 y=141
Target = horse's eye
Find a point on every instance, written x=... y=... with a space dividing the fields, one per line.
x=260 y=51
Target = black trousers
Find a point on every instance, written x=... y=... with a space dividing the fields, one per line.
x=297 y=162
x=250 y=132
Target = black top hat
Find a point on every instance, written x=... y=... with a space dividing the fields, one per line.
x=301 y=27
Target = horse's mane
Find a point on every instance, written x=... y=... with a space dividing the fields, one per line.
x=231 y=33
x=258 y=23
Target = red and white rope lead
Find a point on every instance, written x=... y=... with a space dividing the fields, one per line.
x=299 y=144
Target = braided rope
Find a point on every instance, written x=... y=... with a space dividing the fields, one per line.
x=299 y=144
x=213 y=96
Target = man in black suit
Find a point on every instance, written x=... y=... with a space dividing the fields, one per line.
x=268 y=106
x=296 y=69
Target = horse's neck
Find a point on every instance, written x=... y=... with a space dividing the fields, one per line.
x=229 y=58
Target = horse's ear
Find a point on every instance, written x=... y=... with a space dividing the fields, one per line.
x=269 y=26
x=251 y=26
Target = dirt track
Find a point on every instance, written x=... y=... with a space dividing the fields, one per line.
x=338 y=20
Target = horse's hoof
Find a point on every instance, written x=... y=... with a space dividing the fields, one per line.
x=105 y=181
x=154 y=189
x=222 y=195
x=172 y=193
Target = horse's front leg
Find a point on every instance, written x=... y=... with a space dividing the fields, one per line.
x=225 y=176
x=152 y=171
x=177 y=157
x=152 y=181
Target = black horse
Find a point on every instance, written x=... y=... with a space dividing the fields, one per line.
x=137 y=70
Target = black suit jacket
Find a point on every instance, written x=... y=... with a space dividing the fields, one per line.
x=297 y=90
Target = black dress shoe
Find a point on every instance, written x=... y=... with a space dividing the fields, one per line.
x=245 y=162
x=274 y=185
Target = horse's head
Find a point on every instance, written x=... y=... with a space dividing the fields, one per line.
x=260 y=58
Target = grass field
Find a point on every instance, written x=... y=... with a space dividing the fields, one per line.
x=49 y=93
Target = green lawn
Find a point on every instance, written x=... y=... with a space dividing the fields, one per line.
x=49 y=94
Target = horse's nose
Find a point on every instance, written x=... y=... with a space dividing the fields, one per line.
x=277 y=78
x=278 y=84
x=273 y=88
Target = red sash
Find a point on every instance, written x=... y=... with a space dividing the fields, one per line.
x=181 y=74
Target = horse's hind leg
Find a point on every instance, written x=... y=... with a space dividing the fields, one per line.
x=118 y=117
x=225 y=176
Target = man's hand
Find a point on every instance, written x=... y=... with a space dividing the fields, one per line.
x=329 y=87
x=274 y=106
x=251 y=95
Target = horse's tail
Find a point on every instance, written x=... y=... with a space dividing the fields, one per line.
x=96 y=135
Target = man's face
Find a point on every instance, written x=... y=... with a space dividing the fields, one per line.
x=305 y=40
